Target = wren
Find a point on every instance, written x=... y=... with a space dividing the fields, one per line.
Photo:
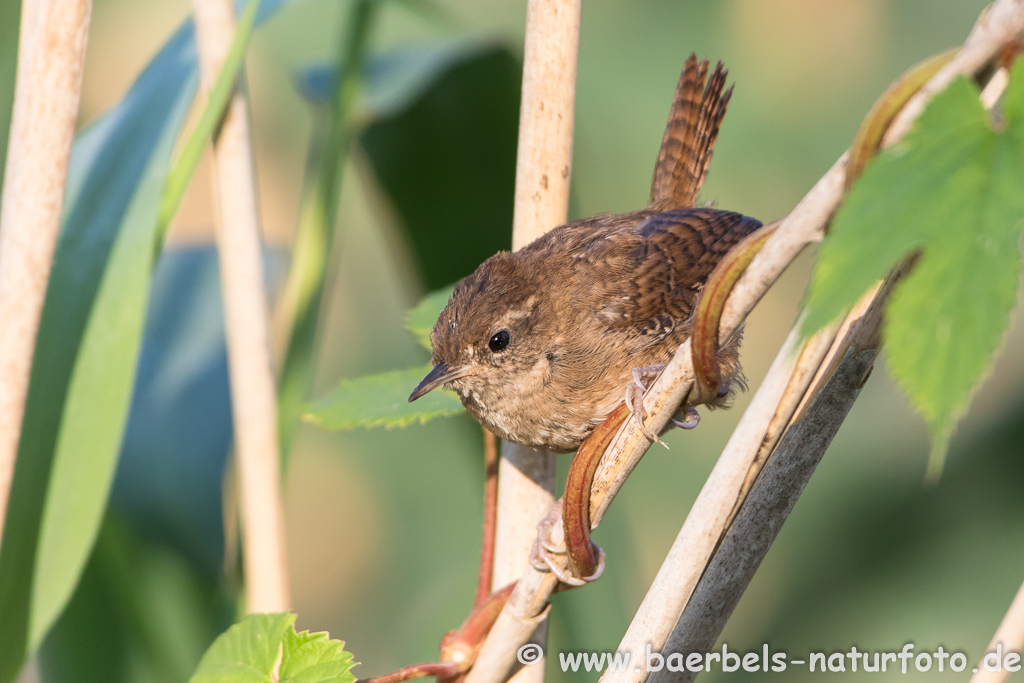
x=542 y=343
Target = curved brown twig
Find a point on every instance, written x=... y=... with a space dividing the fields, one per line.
x=708 y=316
x=869 y=136
x=576 y=503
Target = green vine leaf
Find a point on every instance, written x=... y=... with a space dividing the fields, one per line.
x=420 y=320
x=264 y=648
x=381 y=401
x=950 y=193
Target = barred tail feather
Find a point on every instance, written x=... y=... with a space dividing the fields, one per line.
x=689 y=140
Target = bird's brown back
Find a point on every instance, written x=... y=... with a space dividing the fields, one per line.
x=638 y=273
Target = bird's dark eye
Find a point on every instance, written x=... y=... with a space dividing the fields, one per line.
x=499 y=341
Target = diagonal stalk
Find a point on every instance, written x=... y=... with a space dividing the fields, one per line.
x=297 y=314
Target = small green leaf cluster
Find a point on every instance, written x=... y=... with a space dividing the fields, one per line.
x=265 y=648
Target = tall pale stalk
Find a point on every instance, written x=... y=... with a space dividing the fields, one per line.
x=526 y=478
x=51 y=54
x=253 y=393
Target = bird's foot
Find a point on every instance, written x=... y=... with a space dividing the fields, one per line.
x=546 y=554
x=686 y=418
x=643 y=378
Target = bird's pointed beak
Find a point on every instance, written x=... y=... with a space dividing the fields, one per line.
x=435 y=378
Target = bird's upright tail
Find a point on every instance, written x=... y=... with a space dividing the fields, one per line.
x=690 y=134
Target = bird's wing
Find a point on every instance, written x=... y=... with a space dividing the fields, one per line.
x=670 y=260
x=690 y=135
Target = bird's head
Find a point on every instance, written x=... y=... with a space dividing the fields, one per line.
x=491 y=340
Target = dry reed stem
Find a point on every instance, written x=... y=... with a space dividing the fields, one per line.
x=771 y=499
x=1010 y=635
x=51 y=53
x=253 y=394
x=526 y=478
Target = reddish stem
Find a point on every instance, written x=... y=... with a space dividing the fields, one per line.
x=708 y=316
x=406 y=673
x=576 y=502
x=483 y=584
x=459 y=648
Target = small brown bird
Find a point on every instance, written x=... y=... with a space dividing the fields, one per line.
x=541 y=344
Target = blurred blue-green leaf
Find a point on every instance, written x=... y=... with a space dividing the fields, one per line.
x=462 y=128
x=108 y=162
x=170 y=472
x=392 y=80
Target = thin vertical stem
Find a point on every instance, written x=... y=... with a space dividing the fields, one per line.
x=253 y=395
x=51 y=54
x=526 y=478
x=483 y=585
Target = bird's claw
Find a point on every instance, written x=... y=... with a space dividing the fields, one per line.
x=635 y=398
x=546 y=555
x=690 y=418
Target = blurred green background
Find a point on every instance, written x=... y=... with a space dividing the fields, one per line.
x=383 y=526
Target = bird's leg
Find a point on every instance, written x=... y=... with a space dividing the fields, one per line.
x=545 y=553
x=643 y=378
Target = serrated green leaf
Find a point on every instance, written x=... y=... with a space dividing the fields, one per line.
x=381 y=401
x=950 y=192
x=264 y=648
x=420 y=320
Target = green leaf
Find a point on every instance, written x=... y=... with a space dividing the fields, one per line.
x=420 y=320
x=10 y=15
x=298 y=309
x=108 y=161
x=264 y=648
x=97 y=403
x=213 y=112
x=951 y=193
x=381 y=401
x=100 y=388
